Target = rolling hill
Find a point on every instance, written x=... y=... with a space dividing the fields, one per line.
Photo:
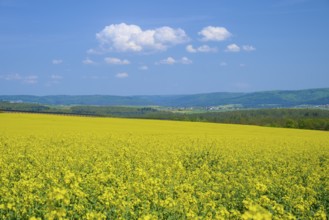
x=255 y=99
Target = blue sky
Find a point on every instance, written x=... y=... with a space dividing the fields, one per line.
x=162 y=47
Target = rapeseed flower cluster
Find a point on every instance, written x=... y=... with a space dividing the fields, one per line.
x=59 y=167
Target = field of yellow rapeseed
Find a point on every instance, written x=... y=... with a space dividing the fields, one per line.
x=64 y=167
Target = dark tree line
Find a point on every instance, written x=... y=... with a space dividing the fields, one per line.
x=289 y=118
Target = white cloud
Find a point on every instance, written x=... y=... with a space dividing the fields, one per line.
x=232 y=48
x=207 y=49
x=211 y=33
x=191 y=49
x=124 y=38
x=248 y=48
x=144 y=67
x=57 y=61
x=116 y=61
x=97 y=51
x=185 y=60
x=30 y=79
x=171 y=61
x=202 y=49
x=122 y=75
x=88 y=61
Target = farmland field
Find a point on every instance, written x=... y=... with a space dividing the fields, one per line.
x=64 y=167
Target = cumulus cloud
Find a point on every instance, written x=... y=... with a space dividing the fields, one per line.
x=171 y=61
x=121 y=75
x=236 y=48
x=56 y=61
x=185 y=60
x=168 y=61
x=212 y=33
x=232 y=48
x=97 y=51
x=207 y=49
x=116 y=61
x=202 y=49
x=248 y=48
x=30 y=79
x=191 y=49
x=124 y=38
x=88 y=61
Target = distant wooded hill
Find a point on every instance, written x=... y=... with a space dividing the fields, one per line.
x=267 y=99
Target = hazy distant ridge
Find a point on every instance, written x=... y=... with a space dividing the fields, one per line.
x=254 y=99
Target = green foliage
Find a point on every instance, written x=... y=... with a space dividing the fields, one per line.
x=289 y=118
x=27 y=107
x=111 y=111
